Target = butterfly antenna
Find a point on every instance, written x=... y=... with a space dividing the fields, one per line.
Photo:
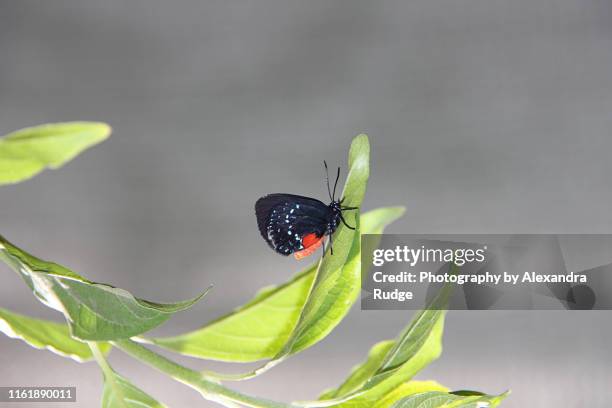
x=327 y=180
x=336 y=183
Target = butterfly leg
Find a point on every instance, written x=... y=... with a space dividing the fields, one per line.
x=344 y=222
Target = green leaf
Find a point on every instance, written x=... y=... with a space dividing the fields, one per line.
x=362 y=372
x=438 y=399
x=27 y=152
x=255 y=331
x=390 y=365
x=119 y=392
x=260 y=329
x=407 y=389
x=45 y=334
x=338 y=280
x=94 y=311
x=420 y=344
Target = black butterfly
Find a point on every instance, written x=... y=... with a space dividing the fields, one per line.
x=293 y=224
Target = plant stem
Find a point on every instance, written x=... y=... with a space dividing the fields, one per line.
x=209 y=390
x=99 y=357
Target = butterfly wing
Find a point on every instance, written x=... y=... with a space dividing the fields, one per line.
x=285 y=220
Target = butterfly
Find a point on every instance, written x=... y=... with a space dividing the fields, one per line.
x=298 y=225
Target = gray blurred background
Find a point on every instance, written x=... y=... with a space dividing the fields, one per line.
x=484 y=117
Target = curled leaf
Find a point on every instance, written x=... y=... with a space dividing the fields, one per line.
x=94 y=311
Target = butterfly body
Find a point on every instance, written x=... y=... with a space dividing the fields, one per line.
x=294 y=224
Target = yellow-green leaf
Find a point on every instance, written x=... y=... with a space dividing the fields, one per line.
x=27 y=152
x=362 y=372
x=338 y=280
x=391 y=364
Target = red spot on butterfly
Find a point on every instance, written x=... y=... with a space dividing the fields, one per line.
x=310 y=242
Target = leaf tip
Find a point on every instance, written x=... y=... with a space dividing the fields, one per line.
x=398 y=211
x=105 y=129
x=362 y=136
x=360 y=143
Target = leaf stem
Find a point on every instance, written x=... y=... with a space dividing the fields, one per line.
x=99 y=357
x=209 y=389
